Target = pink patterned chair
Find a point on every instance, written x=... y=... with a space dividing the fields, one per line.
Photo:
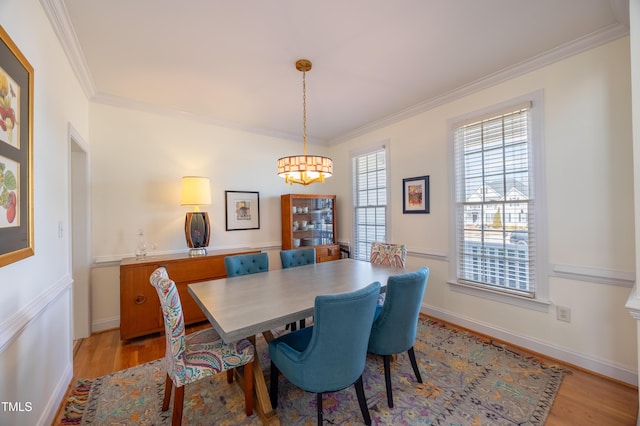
x=198 y=355
x=394 y=255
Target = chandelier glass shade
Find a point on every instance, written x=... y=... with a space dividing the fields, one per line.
x=304 y=169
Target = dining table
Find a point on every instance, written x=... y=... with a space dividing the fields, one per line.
x=249 y=305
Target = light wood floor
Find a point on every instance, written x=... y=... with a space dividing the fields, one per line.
x=583 y=399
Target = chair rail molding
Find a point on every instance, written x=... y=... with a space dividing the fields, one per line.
x=633 y=304
x=594 y=275
x=428 y=253
x=13 y=326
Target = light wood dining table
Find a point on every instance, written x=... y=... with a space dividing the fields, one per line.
x=248 y=305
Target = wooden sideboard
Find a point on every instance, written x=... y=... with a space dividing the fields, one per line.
x=140 y=311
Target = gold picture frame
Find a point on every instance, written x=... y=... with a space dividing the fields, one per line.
x=16 y=153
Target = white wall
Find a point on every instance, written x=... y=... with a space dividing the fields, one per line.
x=35 y=307
x=633 y=303
x=138 y=159
x=589 y=196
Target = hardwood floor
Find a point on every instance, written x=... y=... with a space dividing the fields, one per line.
x=583 y=399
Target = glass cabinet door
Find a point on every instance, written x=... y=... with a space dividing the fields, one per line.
x=312 y=221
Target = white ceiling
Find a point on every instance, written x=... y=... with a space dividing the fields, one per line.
x=374 y=61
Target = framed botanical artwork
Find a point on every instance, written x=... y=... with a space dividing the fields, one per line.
x=16 y=153
x=243 y=210
x=415 y=195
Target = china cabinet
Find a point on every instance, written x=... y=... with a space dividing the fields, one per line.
x=309 y=220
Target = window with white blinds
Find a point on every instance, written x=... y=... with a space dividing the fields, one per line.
x=370 y=201
x=495 y=202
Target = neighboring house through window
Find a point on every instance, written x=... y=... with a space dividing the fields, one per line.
x=498 y=228
x=369 y=200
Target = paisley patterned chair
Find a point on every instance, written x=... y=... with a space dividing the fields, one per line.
x=394 y=255
x=197 y=355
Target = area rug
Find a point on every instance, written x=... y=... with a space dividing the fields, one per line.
x=468 y=380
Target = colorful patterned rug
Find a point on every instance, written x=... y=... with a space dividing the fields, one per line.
x=468 y=380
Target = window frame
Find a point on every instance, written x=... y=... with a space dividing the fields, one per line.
x=537 y=167
x=384 y=146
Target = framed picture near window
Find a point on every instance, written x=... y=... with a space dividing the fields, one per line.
x=243 y=210
x=16 y=156
x=415 y=195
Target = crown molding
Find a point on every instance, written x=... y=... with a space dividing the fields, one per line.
x=61 y=23
x=57 y=13
x=620 y=9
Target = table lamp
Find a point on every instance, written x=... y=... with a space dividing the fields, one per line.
x=196 y=191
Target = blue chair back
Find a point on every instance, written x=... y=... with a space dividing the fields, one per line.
x=394 y=330
x=245 y=264
x=336 y=353
x=297 y=257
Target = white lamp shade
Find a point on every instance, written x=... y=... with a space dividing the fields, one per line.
x=196 y=191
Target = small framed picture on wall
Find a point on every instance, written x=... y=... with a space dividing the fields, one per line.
x=243 y=210
x=415 y=195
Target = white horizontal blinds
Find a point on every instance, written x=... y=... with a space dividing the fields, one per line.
x=370 y=201
x=494 y=202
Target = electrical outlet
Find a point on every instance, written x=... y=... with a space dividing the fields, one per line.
x=563 y=313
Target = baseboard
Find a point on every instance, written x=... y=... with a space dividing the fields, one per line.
x=553 y=351
x=53 y=405
x=105 y=324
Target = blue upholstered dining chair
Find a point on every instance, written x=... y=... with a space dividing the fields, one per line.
x=297 y=257
x=396 y=321
x=328 y=356
x=244 y=264
x=191 y=357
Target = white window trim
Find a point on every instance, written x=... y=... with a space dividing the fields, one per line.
x=541 y=301
x=386 y=145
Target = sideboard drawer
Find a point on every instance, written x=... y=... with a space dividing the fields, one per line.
x=197 y=269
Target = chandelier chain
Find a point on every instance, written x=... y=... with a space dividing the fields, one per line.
x=304 y=111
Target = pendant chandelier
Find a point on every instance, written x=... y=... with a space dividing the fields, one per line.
x=304 y=169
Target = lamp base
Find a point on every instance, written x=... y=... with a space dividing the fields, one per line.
x=196 y=230
x=195 y=252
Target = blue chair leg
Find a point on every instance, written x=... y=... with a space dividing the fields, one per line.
x=414 y=364
x=386 y=359
x=273 y=388
x=362 y=400
x=319 y=404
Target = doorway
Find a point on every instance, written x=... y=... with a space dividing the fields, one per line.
x=80 y=235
